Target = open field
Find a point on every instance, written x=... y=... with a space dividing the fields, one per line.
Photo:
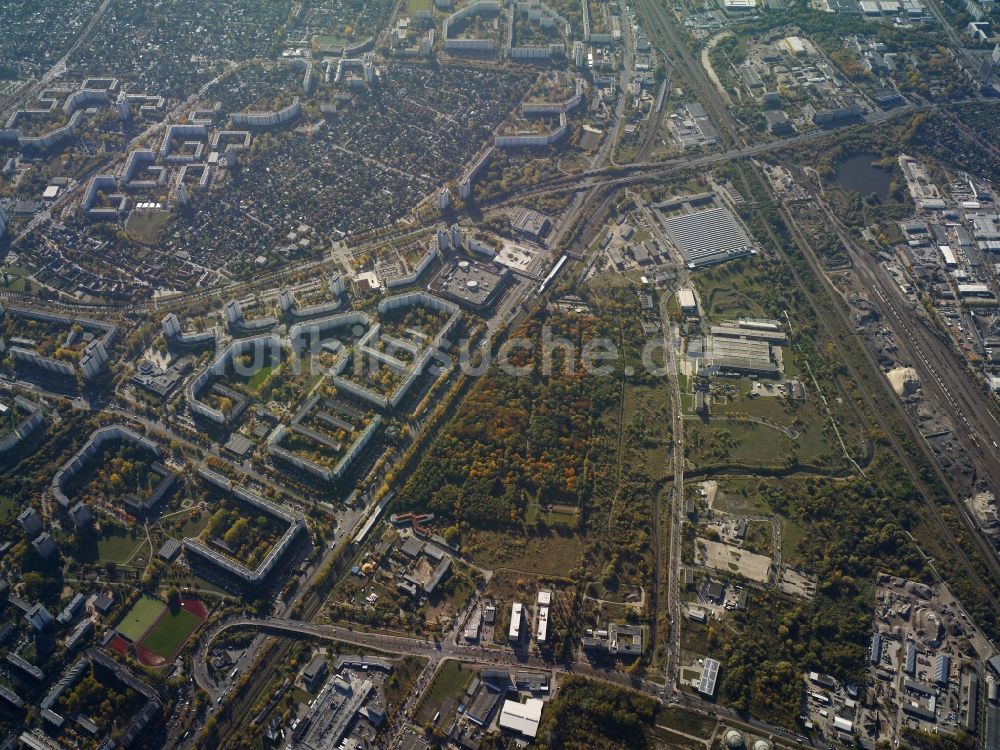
x=550 y=514
x=170 y=632
x=729 y=499
x=143 y=614
x=728 y=292
x=258 y=378
x=145 y=227
x=551 y=554
x=446 y=691
x=723 y=441
x=116 y=545
x=731 y=559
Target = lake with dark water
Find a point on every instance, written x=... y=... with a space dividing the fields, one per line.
x=858 y=174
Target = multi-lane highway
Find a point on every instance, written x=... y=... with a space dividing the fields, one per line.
x=481 y=655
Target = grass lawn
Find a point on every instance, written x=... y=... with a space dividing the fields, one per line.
x=765 y=407
x=673 y=305
x=205 y=585
x=415 y=6
x=811 y=442
x=329 y=40
x=687 y=722
x=666 y=737
x=9 y=506
x=748 y=443
x=449 y=683
x=788 y=360
x=756 y=444
x=651 y=405
x=560 y=515
x=116 y=545
x=170 y=632
x=194 y=525
x=791 y=535
x=257 y=379
x=143 y=613
x=553 y=554
x=730 y=500
x=812 y=445
x=729 y=291
x=146 y=226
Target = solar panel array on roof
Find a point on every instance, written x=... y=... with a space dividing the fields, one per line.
x=709 y=676
x=709 y=236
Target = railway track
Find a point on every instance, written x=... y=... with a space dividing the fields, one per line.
x=943 y=371
x=877 y=409
x=662 y=27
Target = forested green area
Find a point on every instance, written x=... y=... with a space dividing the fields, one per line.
x=855 y=529
x=596 y=716
x=518 y=437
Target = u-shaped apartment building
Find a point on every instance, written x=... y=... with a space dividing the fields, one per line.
x=236 y=569
x=217 y=369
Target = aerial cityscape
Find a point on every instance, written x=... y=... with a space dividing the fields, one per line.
x=481 y=374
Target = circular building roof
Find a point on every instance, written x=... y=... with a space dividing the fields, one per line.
x=733 y=739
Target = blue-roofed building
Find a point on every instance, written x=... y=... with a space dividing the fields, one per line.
x=911 y=658
x=942 y=665
x=876 y=649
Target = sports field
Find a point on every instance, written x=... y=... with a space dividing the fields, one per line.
x=143 y=614
x=169 y=633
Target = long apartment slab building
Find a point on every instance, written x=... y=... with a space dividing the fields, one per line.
x=263 y=120
x=319 y=471
x=410 y=372
x=217 y=369
x=534 y=140
x=33 y=420
x=97 y=439
x=453 y=43
x=536 y=12
x=94 y=358
x=474 y=172
x=235 y=568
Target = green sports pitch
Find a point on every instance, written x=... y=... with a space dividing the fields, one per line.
x=170 y=632
x=143 y=614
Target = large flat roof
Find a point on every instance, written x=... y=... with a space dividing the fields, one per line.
x=708 y=236
x=740 y=354
x=522 y=717
x=709 y=676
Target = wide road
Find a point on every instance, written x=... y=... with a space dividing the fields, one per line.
x=599 y=176
x=676 y=502
x=484 y=656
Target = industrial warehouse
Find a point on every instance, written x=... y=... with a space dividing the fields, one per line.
x=709 y=236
